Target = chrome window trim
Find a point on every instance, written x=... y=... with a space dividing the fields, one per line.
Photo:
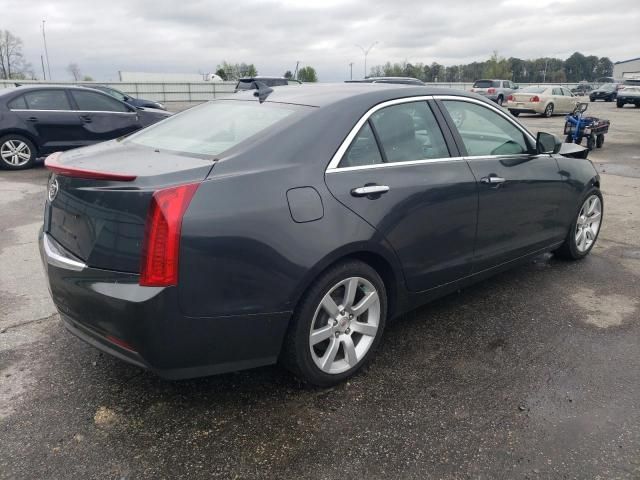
x=337 y=157
x=70 y=111
x=344 y=146
x=395 y=164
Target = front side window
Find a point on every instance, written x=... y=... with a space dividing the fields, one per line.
x=214 y=127
x=408 y=132
x=97 y=102
x=485 y=132
x=47 y=100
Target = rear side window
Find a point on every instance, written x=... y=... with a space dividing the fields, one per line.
x=557 y=91
x=244 y=85
x=97 y=102
x=363 y=150
x=485 y=132
x=212 y=128
x=408 y=132
x=17 y=103
x=47 y=100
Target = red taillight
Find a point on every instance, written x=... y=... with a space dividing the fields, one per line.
x=121 y=343
x=491 y=91
x=510 y=98
x=534 y=99
x=71 y=171
x=161 y=245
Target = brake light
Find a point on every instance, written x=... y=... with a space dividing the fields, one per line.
x=510 y=98
x=70 y=171
x=534 y=99
x=161 y=244
x=491 y=91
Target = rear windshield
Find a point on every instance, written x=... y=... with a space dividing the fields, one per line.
x=486 y=83
x=212 y=128
x=532 y=89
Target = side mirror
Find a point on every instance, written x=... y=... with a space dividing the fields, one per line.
x=515 y=87
x=547 y=143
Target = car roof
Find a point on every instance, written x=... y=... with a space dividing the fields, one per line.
x=324 y=94
x=262 y=77
x=40 y=86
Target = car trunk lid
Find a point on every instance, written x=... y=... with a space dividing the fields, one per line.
x=99 y=198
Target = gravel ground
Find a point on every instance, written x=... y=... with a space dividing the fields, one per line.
x=532 y=374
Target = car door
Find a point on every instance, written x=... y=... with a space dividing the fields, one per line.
x=103 y=117
x=571 y=100
x=395 y=170
x=519 y=191
x=48 y=112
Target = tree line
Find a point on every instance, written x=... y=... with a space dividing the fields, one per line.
x=234 y=71
x=574 y=69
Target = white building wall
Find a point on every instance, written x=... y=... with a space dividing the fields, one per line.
x=630 y=69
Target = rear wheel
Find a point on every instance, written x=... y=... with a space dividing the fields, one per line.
x=619 y=104
x=584 y=230
x=337 y=325
x=500 y=100
x=16 y=152
x=548 y=111
x=515 y=113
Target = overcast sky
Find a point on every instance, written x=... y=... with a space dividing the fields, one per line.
x=191 y=36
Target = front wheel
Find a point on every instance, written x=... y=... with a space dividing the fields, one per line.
x=619 y=104
x=337 y=325
x=600 y=140
x=16 y=152
x=548 y=111
x=584 y=230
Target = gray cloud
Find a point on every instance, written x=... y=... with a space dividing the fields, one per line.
x=190 y=36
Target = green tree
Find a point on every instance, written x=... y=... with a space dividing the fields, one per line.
x=307 y=74
x=604 y=68
x=497 y=67
x=288 y=74
x=87 y=78
x=234 y=71
x=221 y=73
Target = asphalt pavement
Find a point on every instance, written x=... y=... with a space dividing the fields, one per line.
x=534 y=374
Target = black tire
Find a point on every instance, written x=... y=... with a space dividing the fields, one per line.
x=599 y=140
x=569 y=139
x=619 y=104
x=515 y=113
x=591 y=142
x=548 y=111
x=591 y=99
x=500 y=100
x=33 y=154
x=569 y=249
x=296 y=352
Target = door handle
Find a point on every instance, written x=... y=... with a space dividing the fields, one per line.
x=32 y=119
x=85 y=118
x=368 y=190
x=493 y=180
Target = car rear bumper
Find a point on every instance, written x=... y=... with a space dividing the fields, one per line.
x=521 y=109
x=144 y=325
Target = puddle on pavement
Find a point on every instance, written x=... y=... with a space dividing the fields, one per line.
x=605 y=311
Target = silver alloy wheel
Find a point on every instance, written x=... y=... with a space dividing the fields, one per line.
x=15 y=153
x=344 y=325
x=548 y=111
x=588 y=223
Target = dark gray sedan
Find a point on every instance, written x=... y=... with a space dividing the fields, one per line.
x=292 y=224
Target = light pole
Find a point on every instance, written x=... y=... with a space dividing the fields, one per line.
x=350 y=70
x=46 y=52
x=366 y=52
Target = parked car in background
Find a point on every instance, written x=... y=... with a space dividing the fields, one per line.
x=249 y=83
x=582 y=88
x=38 y=120
x=628 y=94
x=393 y=80
x=496 y=90
x=542 y=100
x=123 y=97
x=607 y=92
x=291 y=227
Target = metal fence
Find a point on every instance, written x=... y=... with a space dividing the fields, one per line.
x=157 y=91
x=203 y=91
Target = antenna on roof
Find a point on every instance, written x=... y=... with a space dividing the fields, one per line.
x=262 y=90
